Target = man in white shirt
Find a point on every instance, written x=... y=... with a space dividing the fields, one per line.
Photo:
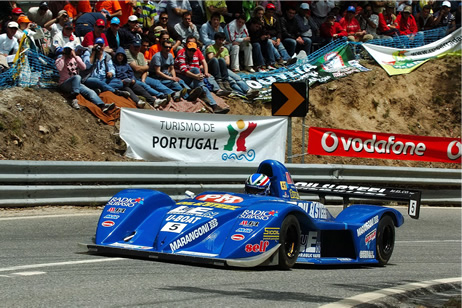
x=8 y=43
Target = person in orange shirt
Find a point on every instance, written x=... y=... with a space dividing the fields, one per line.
x=113 y=7
x=163 y=36
x=127 y=10
x=75 y=9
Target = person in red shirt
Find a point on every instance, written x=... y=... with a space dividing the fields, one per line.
x=387 y=24
x=406 y=22
x=331 y=29
x=351 y=25
x=90 y=37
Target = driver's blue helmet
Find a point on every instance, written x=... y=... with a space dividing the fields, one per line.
x=258 y=184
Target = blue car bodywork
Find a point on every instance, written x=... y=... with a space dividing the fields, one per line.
x=251 y=230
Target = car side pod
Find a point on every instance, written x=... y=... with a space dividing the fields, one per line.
x=269 y=257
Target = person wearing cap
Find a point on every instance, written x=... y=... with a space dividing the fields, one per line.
x=15 y=13
x=406 y=22
x=65 y=36
x=351 y=25
x=69 y=67
x=115 y=37
x=239 y=38
x=208 y=30
x=272 y=25
x=292 y=34
x=8 y=43
x=186 y=28
x=163 y=36
x=30 y=29
x=56 y=24
x=444 y=17
x=98 y=32
x=86 y=22
x=40 y=14
x=163 y=22
x=187 y=67
x=132 y=30
x=387 y=21
x=141 y=69
x=310 y=32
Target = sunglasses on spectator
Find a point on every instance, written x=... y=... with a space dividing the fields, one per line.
x=170 y=47
x=101 y=27
x=69 y=28
x=164 y=18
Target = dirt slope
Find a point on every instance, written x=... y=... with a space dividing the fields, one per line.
x=38 y=124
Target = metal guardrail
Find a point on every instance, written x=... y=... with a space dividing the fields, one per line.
x=26 y=183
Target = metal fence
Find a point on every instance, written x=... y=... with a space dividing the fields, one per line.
x=29 y=183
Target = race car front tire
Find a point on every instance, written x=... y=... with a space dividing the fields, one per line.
x=385 y=239
x=289 y=238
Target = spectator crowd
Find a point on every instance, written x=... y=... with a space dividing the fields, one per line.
x=156 y=52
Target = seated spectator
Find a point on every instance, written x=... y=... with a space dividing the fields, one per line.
x=162 y=68
x=15 y=13
x=125 y=73
x=424 y=19
x=115 y=37
x=175 y=10
x=8 y=43
x=98 y=32
x=30 y=29
x=163 y=36
x=257 y=39
x=111 y=7
x=163 y=23
x=320 y=10
x=387 y=24
x=187 y=66
x=216 y=7
x=132 y=31
x=351 y=25
x=71 y=10
x=234 y=10
x=63 y=38
x=208 y=30
x=140 y=67
x=218 y=60
x=69 y=66
x=238 y=35
x=56 y=24
x=145 y=45
x=186 y=28
x=308 y=28
x=146 y=12
x=100 y=72
x=406 y=22
x=444 y=17
x=198 y=12
x=368 y=22
x=292 y=35
x=272 y=25
x=40 y=14
x=87 y=22
x=331 y=29
x=128 y=9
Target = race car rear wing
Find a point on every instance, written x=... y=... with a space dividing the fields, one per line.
x=366 y=192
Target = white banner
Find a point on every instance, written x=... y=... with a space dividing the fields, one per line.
x=194 y=137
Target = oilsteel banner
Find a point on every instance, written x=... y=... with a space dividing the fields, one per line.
x=340 y=142
x=192 y=137
x=402 y=61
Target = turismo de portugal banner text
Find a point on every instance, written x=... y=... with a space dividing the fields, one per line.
x=340 y=142
x=192 y=137
x=402 y=61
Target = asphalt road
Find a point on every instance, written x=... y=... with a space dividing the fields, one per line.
x=41 y=266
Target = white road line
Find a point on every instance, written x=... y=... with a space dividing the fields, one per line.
x=380 y=294
x=30 y=266
x=28 y=273
x=430 y=241
x=48 y=216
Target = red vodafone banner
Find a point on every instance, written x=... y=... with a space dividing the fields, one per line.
x=341 y=142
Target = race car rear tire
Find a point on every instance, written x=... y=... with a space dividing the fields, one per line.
x=385 y=239
x=289 y=238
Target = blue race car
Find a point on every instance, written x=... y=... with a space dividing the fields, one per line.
x=247 y=230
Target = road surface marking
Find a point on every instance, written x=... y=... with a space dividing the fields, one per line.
x=32 y=266
x=48 y=216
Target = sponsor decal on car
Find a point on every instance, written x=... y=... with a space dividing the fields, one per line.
x=193 y=235
x=260 y=247
x=237 y=237
x=271 y=234
x=366 y=254
x=283 y=185
x=294 y=194
x=244 y=230
x=314 y=209
x=173 y=227
x=210 y=204
x=110 y=216
x=108 y=223
x=125 y=201
x=182 y=218
x=371 y=236
x=117 y=210
x=125 y=245
x=249 y=223
x=194 y=211
x=225 y=198
x=309 y=244
x=258 y=214
x=367 y=225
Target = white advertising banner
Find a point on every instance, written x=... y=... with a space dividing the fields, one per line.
x=196 y=137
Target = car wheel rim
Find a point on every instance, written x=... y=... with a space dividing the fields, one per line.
x=290 y=242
